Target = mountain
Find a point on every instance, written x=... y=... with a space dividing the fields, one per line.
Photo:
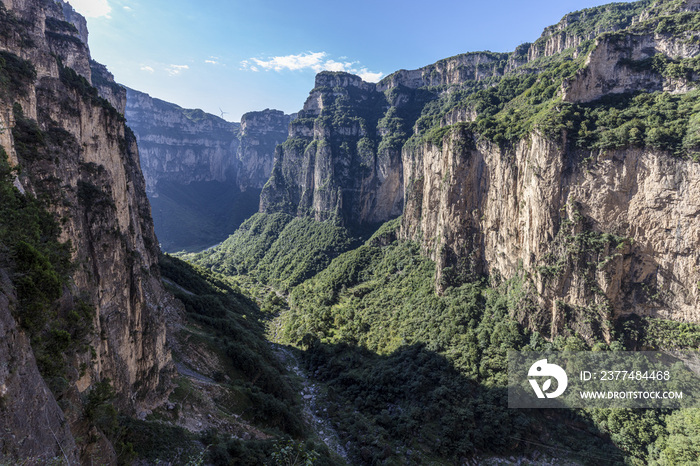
x=422 y=227
x=82 y=308
x=203 y=174
x=572 y=158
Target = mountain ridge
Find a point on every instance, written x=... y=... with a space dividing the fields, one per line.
x=443 y=143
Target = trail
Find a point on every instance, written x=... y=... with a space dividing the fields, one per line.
x=313 y=412
x=184 y=370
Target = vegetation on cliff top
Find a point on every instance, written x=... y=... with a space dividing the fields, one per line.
x=529 y=98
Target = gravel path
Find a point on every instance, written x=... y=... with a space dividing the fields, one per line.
x=184 y=370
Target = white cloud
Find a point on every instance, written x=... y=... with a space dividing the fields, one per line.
x=211 y=62
x=316 y=61
x=128 y=8
x=370 y=77
x=311 y=60
x=91 y=8
x=147 y=69
x=174 y=70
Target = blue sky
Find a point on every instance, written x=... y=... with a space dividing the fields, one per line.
x=239 y=56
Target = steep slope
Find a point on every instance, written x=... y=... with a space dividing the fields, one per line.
x=549 y=201
x=203 y=174
x=103 y=317
x=553 y=159
x=584 y=177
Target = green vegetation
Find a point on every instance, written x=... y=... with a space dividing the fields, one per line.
x=58 y=25
x=15 y=74
x=591 y=22
x=39 y=267
x=233 y=326
x=278 y=249
x=407 y=371
x=12 y=26
x=85 y=90
x=412 y=376
x=646 y=333
x=509 y=108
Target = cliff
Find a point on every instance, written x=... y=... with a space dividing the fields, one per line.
x=570 y=160
x=76 y=155
x=203 y=174
x=343 y=155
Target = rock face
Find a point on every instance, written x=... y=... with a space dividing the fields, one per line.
x=203 y=174
x=180 y=145
x=343 y=156
x=480 y=209
x=75 y=152
x=34 y=427
x=260 y=133
x=611 y=66
x=474 y=66
x=599 y=239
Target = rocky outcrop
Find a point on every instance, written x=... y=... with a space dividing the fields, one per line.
x=75 y=152
x=622 y=63
x=612 y=236
x=203 y=174
x=260 y=134
x=475 y=66
x=580 y=26
x=108 y=89
x=343 y=156
x=598 y=234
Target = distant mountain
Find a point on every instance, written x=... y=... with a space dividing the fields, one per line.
x=203 y=174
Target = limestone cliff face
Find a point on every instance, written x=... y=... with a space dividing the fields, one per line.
x=74 y=151
x=203 y=174
x=343 y=156
x=474 y=66
x=260 y=133
x=180 y=145
x=595 y=234
x=600 y=233
x=34 y=427
x=568 y=33
x=477 y=208
x=109 y=90
x=610 y=68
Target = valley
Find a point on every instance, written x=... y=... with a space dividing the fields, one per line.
x=343 y=285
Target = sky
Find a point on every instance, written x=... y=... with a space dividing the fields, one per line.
x=229 y=57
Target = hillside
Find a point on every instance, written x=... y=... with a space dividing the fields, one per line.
x=541 y=199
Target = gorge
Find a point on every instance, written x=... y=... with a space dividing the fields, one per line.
x=351 y=277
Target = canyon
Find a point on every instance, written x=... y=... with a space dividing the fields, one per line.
x=411 y=144
x=203 y=174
